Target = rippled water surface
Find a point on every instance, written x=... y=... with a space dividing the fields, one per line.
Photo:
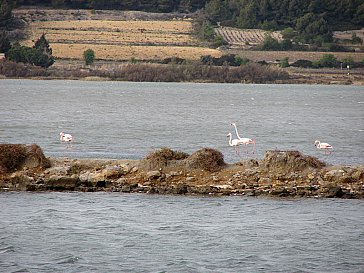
x=112 y=232
x=129 y=120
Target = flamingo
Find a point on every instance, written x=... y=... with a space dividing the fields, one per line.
x=234 y=143
x=244 y=140
x=323 y=146
x=68 y=138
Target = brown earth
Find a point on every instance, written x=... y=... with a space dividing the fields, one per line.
x=278 y=174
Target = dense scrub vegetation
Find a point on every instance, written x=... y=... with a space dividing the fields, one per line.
x=145 y=5
x=305 y=16
x=206 y=159
x=148 y=72
x=310 y=21
x=20 y=70
x=39 y=55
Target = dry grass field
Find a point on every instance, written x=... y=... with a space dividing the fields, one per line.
x=347 y=34
x=245 y=38
x=125 y=35
x=294 y=55
x=120 y=40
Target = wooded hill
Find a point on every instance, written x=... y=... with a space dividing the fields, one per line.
x=272 y=14
x=142 y=5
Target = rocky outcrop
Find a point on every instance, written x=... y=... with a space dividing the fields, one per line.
x=278 y=174
x=21 y=156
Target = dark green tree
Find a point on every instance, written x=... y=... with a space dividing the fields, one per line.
x=217 y=11
x=269 y=43
x=4 y=42
x=43 y=45
x=57 y=3
x=359 y=15
x=328 y=60
x=6 y=7
x=248 y=16
x=45 y=59
x=312 y=27
x=40 y=54
x=89 y=56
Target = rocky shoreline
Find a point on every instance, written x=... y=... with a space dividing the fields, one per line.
x=278 y=174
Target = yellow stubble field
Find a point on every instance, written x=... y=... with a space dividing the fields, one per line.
x=120 y=40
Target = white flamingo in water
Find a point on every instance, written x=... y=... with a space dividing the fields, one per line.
x=244 y=140
x=68 y=138
x=323 y=146
x=234 y=143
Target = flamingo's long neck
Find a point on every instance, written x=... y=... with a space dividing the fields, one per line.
x=236 y=130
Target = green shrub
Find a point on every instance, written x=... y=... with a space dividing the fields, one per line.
x=355 y=39
x=284 y=62
x=89 y=56
x=30 y=55
x=302 y=63
x=328 y=60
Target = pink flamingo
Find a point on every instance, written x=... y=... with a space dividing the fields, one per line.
x=234 y=143
x=68 y=138
x=323 y=146
x=244 y=140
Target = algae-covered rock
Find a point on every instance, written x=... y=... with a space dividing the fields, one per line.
x=14 y=157
x=289 y=161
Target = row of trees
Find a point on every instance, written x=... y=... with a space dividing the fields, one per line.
x=40 y=54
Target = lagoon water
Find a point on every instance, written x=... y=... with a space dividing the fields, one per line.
x=129 y=120
x=112 y=232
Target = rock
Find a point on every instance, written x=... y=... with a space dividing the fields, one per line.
x=251 y=163
x=121 y=181
x=358 y=175
x=61 y=183
x=206 y=159
x=21 y=181
x=84 y=177
x=180 y=189
x=63 y=170
x=334 y=191
x=112 y=172
x=126 y=188
x=20 y=156
x=96 y=177
x=153 y=175
x=289 y=161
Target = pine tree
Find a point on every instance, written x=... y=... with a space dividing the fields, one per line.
x=5 y=12
x=43 y=45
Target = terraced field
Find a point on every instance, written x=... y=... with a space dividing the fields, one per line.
x=120 y=40
x=245 y=38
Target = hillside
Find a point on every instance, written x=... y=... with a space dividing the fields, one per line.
x=116 y=36
x=119 y=38
x=126 y=35
x=244 y=38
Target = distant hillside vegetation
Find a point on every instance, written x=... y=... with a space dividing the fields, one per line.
x=141 y=5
